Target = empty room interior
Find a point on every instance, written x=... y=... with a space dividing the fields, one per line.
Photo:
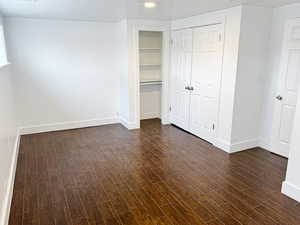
x=149 y=112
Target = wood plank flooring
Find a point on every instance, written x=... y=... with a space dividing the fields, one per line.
x=158 y=175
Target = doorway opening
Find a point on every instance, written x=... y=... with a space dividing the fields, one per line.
x=150 y=74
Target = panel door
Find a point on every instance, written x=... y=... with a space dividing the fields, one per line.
x=181 y=77
x=206 y=80
x=286 y=98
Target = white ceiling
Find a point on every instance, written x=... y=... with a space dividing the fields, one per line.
x=115 y=10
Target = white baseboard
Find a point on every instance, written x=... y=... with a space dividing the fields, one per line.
x=165 y=122
x=264 y=144
x=291 y=190
x=236 y=147
x=243 y=145
x=223 y=145
x=129 y=125
x=67 y=125
x=150 y=115
x=4 y=215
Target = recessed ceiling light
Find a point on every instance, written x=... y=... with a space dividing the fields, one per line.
x=150 y=5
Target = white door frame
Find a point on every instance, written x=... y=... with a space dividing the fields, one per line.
x=281 y=79
x=165 y=29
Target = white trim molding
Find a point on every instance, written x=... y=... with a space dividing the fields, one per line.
x=243 y=145
x=4 y=64
x=67 y=125
x=291 y=190
x=129 y=125
x=222 y=144
x=150 y=115
x=265 y=144
x=237 y=146
x=4 y=215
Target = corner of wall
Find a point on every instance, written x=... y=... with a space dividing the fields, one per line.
x=129 y=125
x=244 y=145
x=236 y=146
x=230 y=70
x=251 y=68
x=6 y=205
x=291 y=190
x=222 y=144
x=265 y=144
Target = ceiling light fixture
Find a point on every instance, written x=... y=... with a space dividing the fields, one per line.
x=150 y=5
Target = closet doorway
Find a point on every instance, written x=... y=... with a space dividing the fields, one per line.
x=150 y=63
x=153 y=76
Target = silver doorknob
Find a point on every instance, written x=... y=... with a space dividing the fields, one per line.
x=189 y=88
x=279 y=97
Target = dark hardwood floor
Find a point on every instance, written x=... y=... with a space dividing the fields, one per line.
x=158 y=175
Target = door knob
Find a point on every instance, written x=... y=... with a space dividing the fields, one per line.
x=279 y=98
x=189 y=88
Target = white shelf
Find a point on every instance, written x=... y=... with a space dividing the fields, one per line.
x=150 y=49
x=158 y=65
x=154 y=82
x=150 y=40
x=150 y=58
x=150 y=54
x=151 y=70
x=150 y=75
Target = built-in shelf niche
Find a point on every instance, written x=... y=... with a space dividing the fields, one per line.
x=154 y=82
x=150 y=45
x=157 y=50
x=150 y=57
x=150 y=40
x=150 y=75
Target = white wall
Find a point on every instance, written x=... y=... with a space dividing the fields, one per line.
x=123 y=70
x=8 y=138
x=253 y=52
x=291 y=186
x=280 y=16
x=229 y=72
x=66 y=72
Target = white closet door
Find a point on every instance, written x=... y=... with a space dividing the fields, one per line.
x=205 y=82
x=181 y=75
